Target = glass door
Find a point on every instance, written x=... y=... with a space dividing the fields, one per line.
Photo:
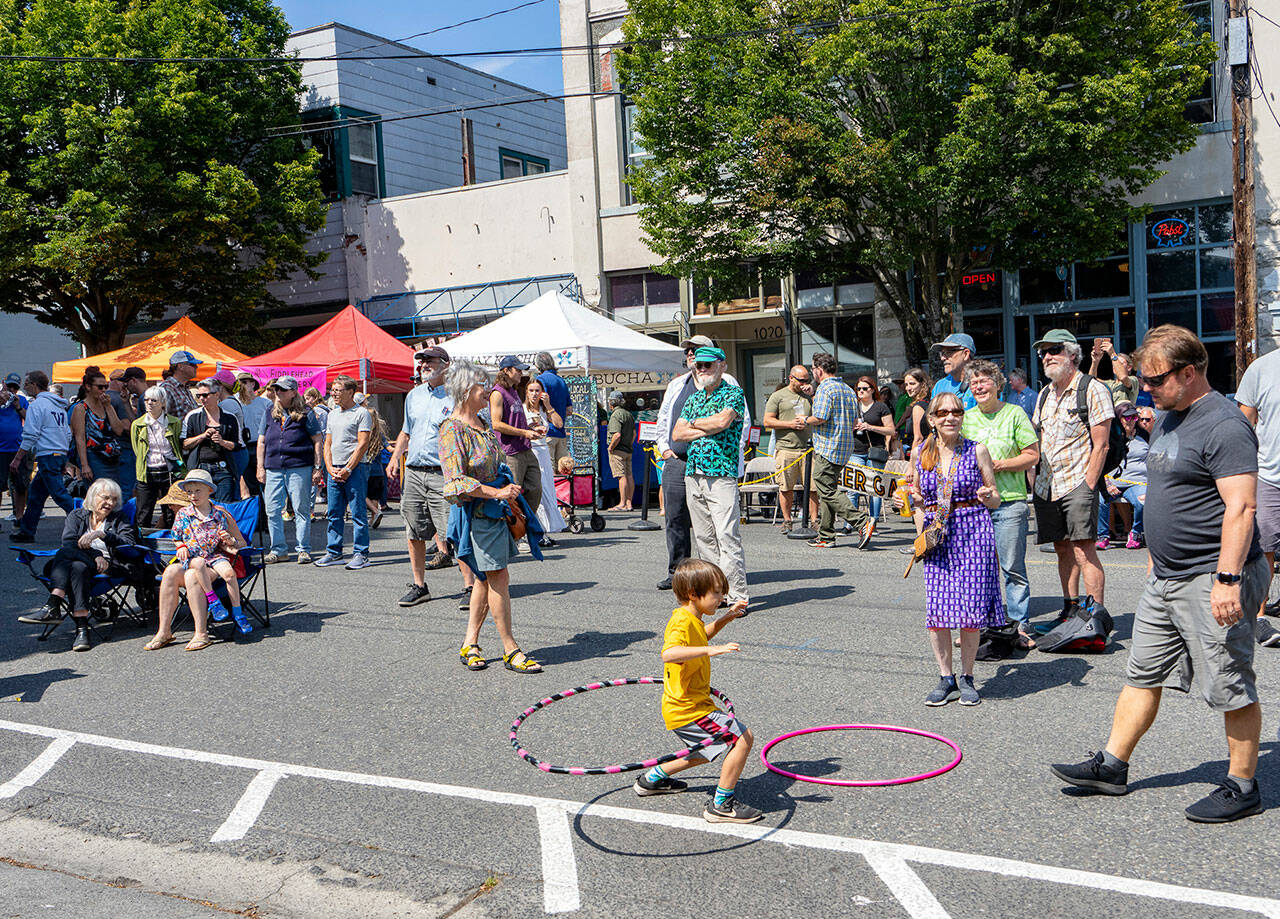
x=763 y=370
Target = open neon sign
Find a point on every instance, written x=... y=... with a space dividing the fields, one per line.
x=1170 y=233
x=978 y=277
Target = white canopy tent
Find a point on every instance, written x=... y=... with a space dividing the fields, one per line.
x=573 y=335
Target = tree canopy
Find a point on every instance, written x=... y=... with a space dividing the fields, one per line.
x=913 y=140
x=127 y=188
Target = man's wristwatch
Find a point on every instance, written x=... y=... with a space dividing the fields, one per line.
x=1226 y=578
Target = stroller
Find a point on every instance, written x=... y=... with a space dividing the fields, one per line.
x=577 y=489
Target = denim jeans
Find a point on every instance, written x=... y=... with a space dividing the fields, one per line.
x=48 y=483
x=296 y=484
x=349 y=493
x=1133 y=494
x=875 y=502
x=1010 y=523
x=101 y=469
x=224 y=486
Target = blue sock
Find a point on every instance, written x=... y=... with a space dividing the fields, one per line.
x=723 y=796
x=655 y=775
x=216 y=609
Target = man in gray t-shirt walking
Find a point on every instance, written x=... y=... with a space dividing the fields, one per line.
x=1259 y=398
x=1208 y=578
x=348 y=431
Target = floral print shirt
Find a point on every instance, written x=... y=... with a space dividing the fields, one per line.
x=468 y=457
x=201 y=535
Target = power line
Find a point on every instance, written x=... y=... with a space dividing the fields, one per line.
x=455 y=25
x=509 y=52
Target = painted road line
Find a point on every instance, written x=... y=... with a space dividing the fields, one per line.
x=867 y=848
x=916 y=898
x=559 y=864
x=38 y=767
x=245 y=814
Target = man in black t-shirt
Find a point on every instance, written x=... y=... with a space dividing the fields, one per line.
x=1208 y=577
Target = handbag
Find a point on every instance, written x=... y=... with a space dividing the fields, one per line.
x=932 y=535
x=515 y=519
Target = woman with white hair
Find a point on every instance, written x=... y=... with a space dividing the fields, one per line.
x=89 y=536
x=470 y=457
x=156 y=437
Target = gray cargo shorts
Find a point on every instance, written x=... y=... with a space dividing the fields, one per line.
x=1176 y=638
x=422 y=503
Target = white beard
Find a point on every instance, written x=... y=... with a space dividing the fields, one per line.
x=1060 y=373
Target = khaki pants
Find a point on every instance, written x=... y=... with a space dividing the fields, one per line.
x=714 y=514
x=559 y=446
x=832 y=501
x=528 y=475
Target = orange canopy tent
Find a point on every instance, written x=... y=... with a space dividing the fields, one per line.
x=152 y=355
x=349 y=343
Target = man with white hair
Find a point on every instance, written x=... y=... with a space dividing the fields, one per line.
x=1073 y=447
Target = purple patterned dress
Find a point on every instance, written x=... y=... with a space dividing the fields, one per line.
x=962 y=575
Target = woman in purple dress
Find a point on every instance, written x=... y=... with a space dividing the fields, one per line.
x=954 y=476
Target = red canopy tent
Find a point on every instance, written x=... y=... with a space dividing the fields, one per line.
x=348 y=343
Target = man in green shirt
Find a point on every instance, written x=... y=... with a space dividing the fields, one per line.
x=1007 y=433
x=785 y=415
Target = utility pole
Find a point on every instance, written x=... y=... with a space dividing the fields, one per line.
x=1242 y=186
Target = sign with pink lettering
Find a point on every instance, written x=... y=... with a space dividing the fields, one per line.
x=306 y=376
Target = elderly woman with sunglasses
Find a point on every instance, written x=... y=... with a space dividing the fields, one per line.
x=952 y=478
x=156 y=437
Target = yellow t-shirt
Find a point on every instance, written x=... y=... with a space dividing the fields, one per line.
x=686 y=687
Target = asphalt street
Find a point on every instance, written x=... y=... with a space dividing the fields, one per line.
x=343 y=762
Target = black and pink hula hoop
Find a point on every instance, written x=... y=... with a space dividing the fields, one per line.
x=620 y=767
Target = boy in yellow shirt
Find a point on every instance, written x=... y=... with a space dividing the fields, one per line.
x=687 y=707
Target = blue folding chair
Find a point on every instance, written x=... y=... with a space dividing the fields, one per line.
x=245 y=514
x=109 y=593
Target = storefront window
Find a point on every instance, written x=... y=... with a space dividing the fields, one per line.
x=849 y=337
x=642 y=298
x=1189 y=256
x=988 y=334
x=1107 y=278
x=980 y=290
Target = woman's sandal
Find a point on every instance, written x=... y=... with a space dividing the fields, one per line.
x=528 y=665
x=156 y=644
x=471 y=657
x=198 y=644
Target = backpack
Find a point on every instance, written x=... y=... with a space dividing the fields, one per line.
x=1117 y=441
x=1086 y=630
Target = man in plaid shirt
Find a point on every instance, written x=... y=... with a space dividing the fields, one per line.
x=1072 y=451
x=835 y=414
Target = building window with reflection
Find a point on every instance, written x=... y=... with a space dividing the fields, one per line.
x=644 y=297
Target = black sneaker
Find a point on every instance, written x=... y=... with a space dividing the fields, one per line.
x=731 y=811
x=465 y=602
x=1266 y=634
x=664 y=584
x=547 y=542
x=969 y=692
x=50 y=613
x=1226 y=803
x=1044 y=628
x=439 y=560
x=1094 y=773
x=19 y=536
x=418 y=593
x=643 y=787
x=946 y=691
x=81 y=642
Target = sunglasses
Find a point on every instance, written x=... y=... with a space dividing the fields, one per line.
x=863 y=388
x=202 y=395
x=703 y=365
x=97 y=385
x=1157 y=380
x=1051 y=349
x=949 y=413
x=801 y=379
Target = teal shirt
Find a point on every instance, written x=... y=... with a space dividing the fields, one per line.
x=1005 y=434
x=716 y=454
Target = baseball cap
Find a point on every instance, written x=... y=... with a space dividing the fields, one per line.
x=183 y=357
x=512 y=361
x=708 y=354
x=133 y=373
x=13 y=378
x=1055 y=337
x=1126 y=409
x=957 y=340
x=286 y=383
x=247 y=376
x=224 y=377
x=432 y=353
x=697 y=341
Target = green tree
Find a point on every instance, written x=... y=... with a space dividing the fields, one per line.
x=916 y=140
x=129 y=188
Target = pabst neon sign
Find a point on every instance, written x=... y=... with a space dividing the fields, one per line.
x=1170 y=233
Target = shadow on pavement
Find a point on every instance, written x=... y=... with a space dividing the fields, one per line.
x=1034 y=674
x=587 y=646
x=800 y=595
x=548 y=588
x=789 y=576
x=30 y=687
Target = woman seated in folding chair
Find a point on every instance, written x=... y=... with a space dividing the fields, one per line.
x=207 y=541
x=89 y=536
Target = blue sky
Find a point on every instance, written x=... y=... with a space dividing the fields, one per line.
x=537 y=26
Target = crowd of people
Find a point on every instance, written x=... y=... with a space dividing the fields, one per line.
x=477 y=457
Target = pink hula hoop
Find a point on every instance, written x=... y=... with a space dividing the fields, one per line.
x=764 y=755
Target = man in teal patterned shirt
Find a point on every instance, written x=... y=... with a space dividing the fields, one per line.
x=711 y=423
